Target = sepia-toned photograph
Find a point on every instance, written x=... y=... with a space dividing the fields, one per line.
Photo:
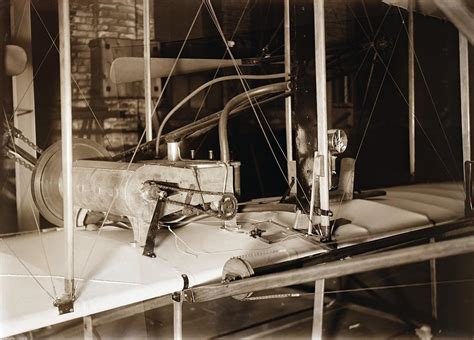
x=236 y=169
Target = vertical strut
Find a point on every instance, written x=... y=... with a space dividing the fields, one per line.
x=321 y=103
x=178 y=317
x=147 y=70
x=464 y=87
x=24 y=116
x=291 y=164
x=66 y=139
x=411 y=89
x=318 y=310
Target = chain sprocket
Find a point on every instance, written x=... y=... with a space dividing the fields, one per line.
x=226 y=209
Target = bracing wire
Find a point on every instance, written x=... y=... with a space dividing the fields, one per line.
x=244 y=84
x=405 y=99
x=430 y=95
x=246 y=89
x=142 y=136
x=28 y=270
x=53 y=41
x=34 y=216
x=202 y=87
x=387 y=71
x=368 y=121
x=223 y=56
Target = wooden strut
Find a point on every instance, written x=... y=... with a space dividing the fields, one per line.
x=66 y=303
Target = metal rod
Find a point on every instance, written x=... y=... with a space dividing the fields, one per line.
x=317 y=332
x=66 y=139
x=178 y=319
x=434 y=287
x=288 y=118
x=411 y=89
x=321 y=103
x=333 y=269
x=147 y=70
x=464 y=88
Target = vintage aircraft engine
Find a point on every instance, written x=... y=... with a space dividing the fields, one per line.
x=133 y=190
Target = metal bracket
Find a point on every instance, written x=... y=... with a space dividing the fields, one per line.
x=65 y=304
x=149 y=249
x=178 y=296
x=319 y=169
x=289 y=190
x=322 y=212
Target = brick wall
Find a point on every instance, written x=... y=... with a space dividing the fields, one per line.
x=91 y=19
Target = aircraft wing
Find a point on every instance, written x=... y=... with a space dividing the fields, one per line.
x=117 y=274
x=459 y=12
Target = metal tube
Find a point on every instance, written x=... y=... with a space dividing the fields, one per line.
x=202 y=87
x=66 y=139
x=464 y=88
x=178 y=319
x=321 y=104
x=411 y=89
x=333 y=269
x=288 y=118
x=318 y=310
x=147 y=70
x=234 y=102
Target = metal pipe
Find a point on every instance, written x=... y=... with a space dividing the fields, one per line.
x=288 y=118
x=333 y=269
x=321 y=104
x=147 y=70
x=465 y=105
x=66 y=139
x=194 y=129
x=411 y=89
x=234 y=102
x=202 y=87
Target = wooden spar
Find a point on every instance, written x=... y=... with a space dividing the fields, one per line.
x=464 y=88
x=321 y=105
x=66 y=139
x=333 y=269
x=291 y=164
x=24 y=118
x=147 y=70
x=318 y=310
x=411 y=89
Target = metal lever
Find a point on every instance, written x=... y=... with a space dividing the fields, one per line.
x=149 y=249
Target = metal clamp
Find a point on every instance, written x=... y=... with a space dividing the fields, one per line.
x=322 y=212
x=65 y=304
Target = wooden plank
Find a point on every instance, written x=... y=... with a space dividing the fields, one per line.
x=24 y=116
